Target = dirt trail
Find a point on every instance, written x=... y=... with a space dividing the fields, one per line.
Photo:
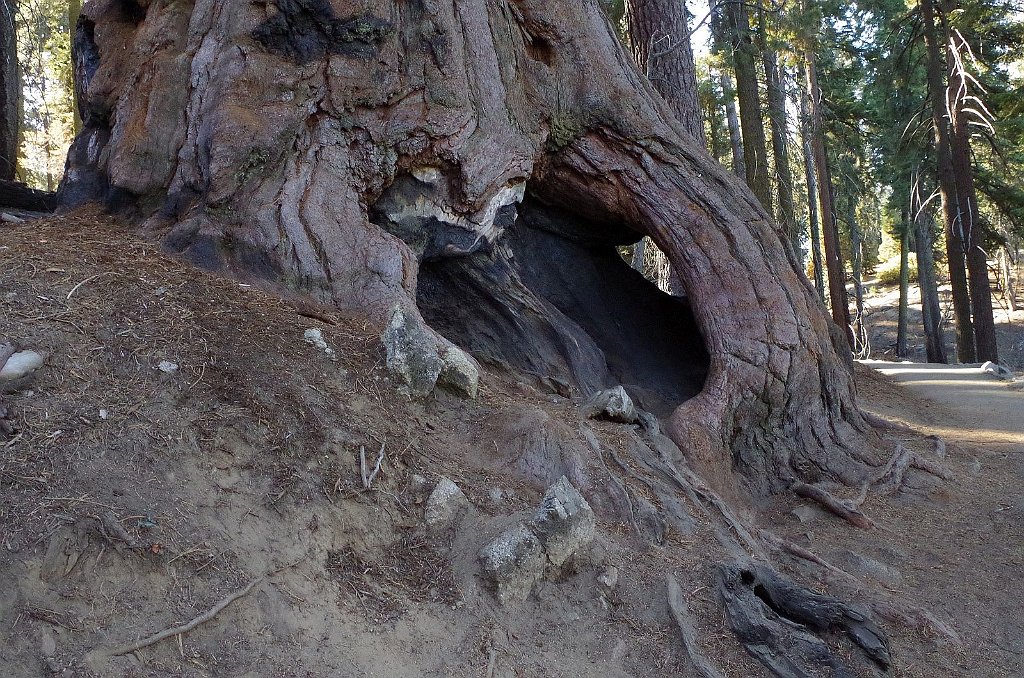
x=986 y=409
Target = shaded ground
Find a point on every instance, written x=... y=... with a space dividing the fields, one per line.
x=245 y=459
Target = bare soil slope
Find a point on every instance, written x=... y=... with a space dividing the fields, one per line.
x=133 y=499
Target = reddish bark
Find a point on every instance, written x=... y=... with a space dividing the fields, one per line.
x=269 y=140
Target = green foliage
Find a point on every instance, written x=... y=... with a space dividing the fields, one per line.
x=44 y=56
x=888 y=272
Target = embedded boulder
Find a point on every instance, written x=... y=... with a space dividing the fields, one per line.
x=613 y=404
x=520 y=556
x=416 y=358
x=445 y=504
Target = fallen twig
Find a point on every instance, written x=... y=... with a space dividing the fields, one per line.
x=368 y=479
x=197 y=621
x=91 y=277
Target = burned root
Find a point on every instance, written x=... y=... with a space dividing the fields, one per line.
x=777 y=620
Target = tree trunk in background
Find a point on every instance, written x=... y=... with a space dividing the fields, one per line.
x=659 y=37
x=775 y=86
x=780 y=146
x=814 y=232
x=10 y=92
x=901 y=318
x=74 y=10
x=755 y=150
x=352 y=158
x=971 y=228
x=735 y=137
x=955 y=253
x=935 y=346
x=829 y=223
x=1007 y=279
x=860 y=341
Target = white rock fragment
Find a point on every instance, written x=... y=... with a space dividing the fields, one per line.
x=564 y=522
x=411 y=353
x=315 y=337
x=459 y=372
x=21 y=364
x=167 y=367
x=445 y=504
x=997 y=371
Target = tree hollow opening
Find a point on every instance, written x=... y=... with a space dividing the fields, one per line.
x=553 y=298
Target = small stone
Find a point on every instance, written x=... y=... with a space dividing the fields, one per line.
x=613 y=404
x=496 y=496
x=609 y=578
x=167 y=367
x=20 y=364
x=974 y=468
x=445 y=504
x=514 y=562
x=48 y=645
x=564 y=522
x=315 y=337
x=104 y=414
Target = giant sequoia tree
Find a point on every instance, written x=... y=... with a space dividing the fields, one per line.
x=474 y=164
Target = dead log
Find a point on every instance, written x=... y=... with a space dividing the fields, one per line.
x=19 y=196
x=779 y=623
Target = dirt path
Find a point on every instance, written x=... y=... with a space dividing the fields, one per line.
x=982 y=403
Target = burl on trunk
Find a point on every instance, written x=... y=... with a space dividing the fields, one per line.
x=473 y=163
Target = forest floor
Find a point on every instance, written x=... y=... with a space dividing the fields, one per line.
x=133 y=499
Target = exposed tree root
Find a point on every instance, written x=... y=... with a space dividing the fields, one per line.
x=677 y=605
x=887 y=425
x=916 y=618
x=772 y=617
x=800 y=552
x=891 y=478
x=197 y=621
x=842 y=508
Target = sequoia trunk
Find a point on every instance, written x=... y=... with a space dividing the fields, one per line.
x=475 y=148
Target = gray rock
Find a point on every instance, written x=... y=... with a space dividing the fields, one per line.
x=997 y=371
x=614 y=404
x=519 y=557
x=167 y=367
x=514 y=562
x=459 y=372
x=411 y=353
x=445 y=504
x=20 y=364
x=315 y=337
x=609 y=578
x=564 y=522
